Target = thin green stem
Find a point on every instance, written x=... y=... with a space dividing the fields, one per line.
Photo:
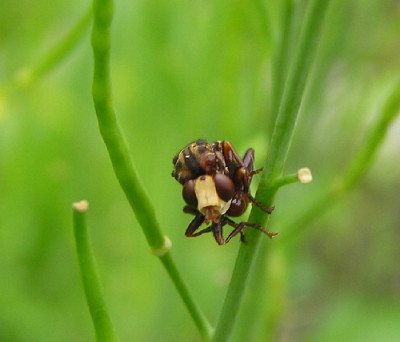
x=122 y=163
x=103 y=327
x=374 y=139
x=303 y=175
x=285 y=180
x=352 y=176
x=280 y=143
x=282 y=55
x=28 y=75
x=110 y=130
x=292 y=95
x=202 y=323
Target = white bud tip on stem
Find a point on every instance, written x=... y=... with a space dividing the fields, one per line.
x=304 y=175
x=81 y=206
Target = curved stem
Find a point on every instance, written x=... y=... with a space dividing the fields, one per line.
x=280 y=143
x=122 y=163
x=103 y=327
x=374 y=138
x=110 y=130
x=352 y=176
x=28 y=75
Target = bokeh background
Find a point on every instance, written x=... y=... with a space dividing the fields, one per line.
x=182 y=71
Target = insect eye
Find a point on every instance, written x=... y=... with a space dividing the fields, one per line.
x=238 y=205
x=225 y=187
x=188 y=193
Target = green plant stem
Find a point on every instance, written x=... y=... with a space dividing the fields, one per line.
x=285 y=180
x=109 y=128
x=282 y=55
x=375 y=137
x=350 y=177
x=280 y=143
x=330 y=197
x=122 y=163
x=292 y=95
x=28 y=75
x=101 y=320
x=202 y=323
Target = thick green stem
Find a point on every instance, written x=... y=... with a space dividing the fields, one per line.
x=292 y=95
x=104 y=330
x=122 y=163
x=279 y=147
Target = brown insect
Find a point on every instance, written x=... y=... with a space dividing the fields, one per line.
x=216 y=183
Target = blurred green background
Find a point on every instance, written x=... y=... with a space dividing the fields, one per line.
x=182 y=71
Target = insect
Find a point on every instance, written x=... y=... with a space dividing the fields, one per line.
x=216 y=183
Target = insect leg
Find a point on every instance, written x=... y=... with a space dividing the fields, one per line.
x=205 y=230
x=194 y=225
x=248 y=160
x=232 y=159
x=259 y=204
x=240 y=226
x=238 y=229
x=217 y=231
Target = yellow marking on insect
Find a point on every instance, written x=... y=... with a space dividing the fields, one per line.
x=209 y=203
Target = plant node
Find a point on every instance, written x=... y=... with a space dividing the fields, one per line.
x=164 y=248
